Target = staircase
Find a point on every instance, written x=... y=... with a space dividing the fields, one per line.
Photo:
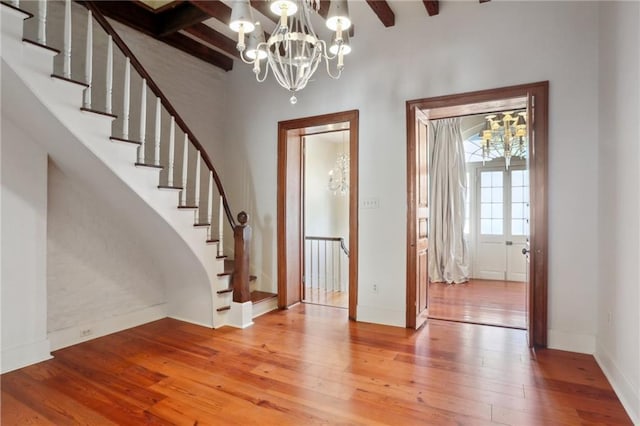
x=163 y=175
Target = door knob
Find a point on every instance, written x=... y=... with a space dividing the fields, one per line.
x=525 y=251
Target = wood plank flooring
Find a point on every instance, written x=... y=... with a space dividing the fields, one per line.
x=487 y=302
x=310 y=365
x=338 y=299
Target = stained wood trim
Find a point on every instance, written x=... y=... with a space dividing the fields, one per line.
x=28 y=15
x=539 y=183
x=116 y=139
x=159 y=9
x=44 y=46
x=137 y=65
x=179 y=18
x=70 y=80
x=383 y=11
x=215 y=9
x=95 y=111
x=214 y=38
x=152 y=166
x=300 y=125
x=432 y=6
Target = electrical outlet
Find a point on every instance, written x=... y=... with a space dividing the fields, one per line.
x=86 y=332
x=374 y=288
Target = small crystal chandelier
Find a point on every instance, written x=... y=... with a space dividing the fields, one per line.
x=293 y=51
x=505 y=135
x=339 y=175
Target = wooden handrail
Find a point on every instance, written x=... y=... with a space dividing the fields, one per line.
x=137 y=65
x=342 y=245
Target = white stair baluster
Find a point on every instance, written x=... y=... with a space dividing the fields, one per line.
x=66 y=70
x=210 y=204
x=172 y=137
x=220 y=226
x=109 y=92
x=42 y=22
x=88 y=65
x=197 y=184
x=127 y=94
x=143 y=121
x=185 y=166
x=157 y=135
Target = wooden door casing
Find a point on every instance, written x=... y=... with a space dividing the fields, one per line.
x=480 y=102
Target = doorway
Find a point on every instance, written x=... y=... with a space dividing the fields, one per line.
x=533 y=99
x=325 y=175
x=291 y=205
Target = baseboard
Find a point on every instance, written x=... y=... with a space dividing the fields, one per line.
x=572 y=342
x=383 y=316
x=24 y=355
x=82 y=332
x=628 y=396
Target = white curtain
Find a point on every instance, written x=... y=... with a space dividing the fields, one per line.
x=448 y=252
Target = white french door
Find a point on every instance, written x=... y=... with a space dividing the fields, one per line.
x=502 y=223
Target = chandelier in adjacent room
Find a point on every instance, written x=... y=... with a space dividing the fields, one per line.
x=293 y=51
x=339 y=175
x=505 y=135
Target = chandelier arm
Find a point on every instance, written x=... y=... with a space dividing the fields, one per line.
x=326 y=60
x=266 y=73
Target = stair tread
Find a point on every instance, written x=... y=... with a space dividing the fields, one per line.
x=95 y=111
x=117 y=139
x=188 y=207
x=154 y=166
x=212 y=241
x=44 y=46
x=258 y=296
x=29 y=14
x=223 y=308
x=200 y=224
x=70 y=80
x=170 y=187
x=226 y=290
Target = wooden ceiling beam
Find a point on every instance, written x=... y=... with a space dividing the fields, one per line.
x=215 y=9
x=214 y=38
x=138 y=18
x=384 y=12
x=180 y=17
x=432 y=6
x=199 y=50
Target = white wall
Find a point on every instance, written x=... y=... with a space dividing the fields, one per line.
x=24 y=234
x=426 y=56
x=618 y=338
x=96 y=270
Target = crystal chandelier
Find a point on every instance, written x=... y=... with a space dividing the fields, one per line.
x=293 y=51
x=505 y=135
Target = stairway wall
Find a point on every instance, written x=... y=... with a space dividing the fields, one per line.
x=98 y=269
x=24 y=232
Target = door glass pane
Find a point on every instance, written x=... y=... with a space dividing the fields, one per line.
x=519 y=202
x=491 y=204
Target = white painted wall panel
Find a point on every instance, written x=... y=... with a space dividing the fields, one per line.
x=618 y=313
x=23 y=260
x=96 y=268
x=466 y=47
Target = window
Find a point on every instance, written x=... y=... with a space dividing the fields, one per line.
x=519 y=202
x=491 y=203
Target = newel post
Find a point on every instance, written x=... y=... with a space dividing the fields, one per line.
x=242 y=240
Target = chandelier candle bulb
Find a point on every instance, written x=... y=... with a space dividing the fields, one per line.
x=293 y=50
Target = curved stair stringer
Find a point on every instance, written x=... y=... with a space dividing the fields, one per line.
x=49 y=111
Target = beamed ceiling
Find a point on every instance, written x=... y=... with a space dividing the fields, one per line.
x=200 y=27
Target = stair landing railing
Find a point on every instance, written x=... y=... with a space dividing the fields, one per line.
x=189 y=143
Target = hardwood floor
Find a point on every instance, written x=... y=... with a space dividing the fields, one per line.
x=310 y=365
x=487 y=302
x=337 y=299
